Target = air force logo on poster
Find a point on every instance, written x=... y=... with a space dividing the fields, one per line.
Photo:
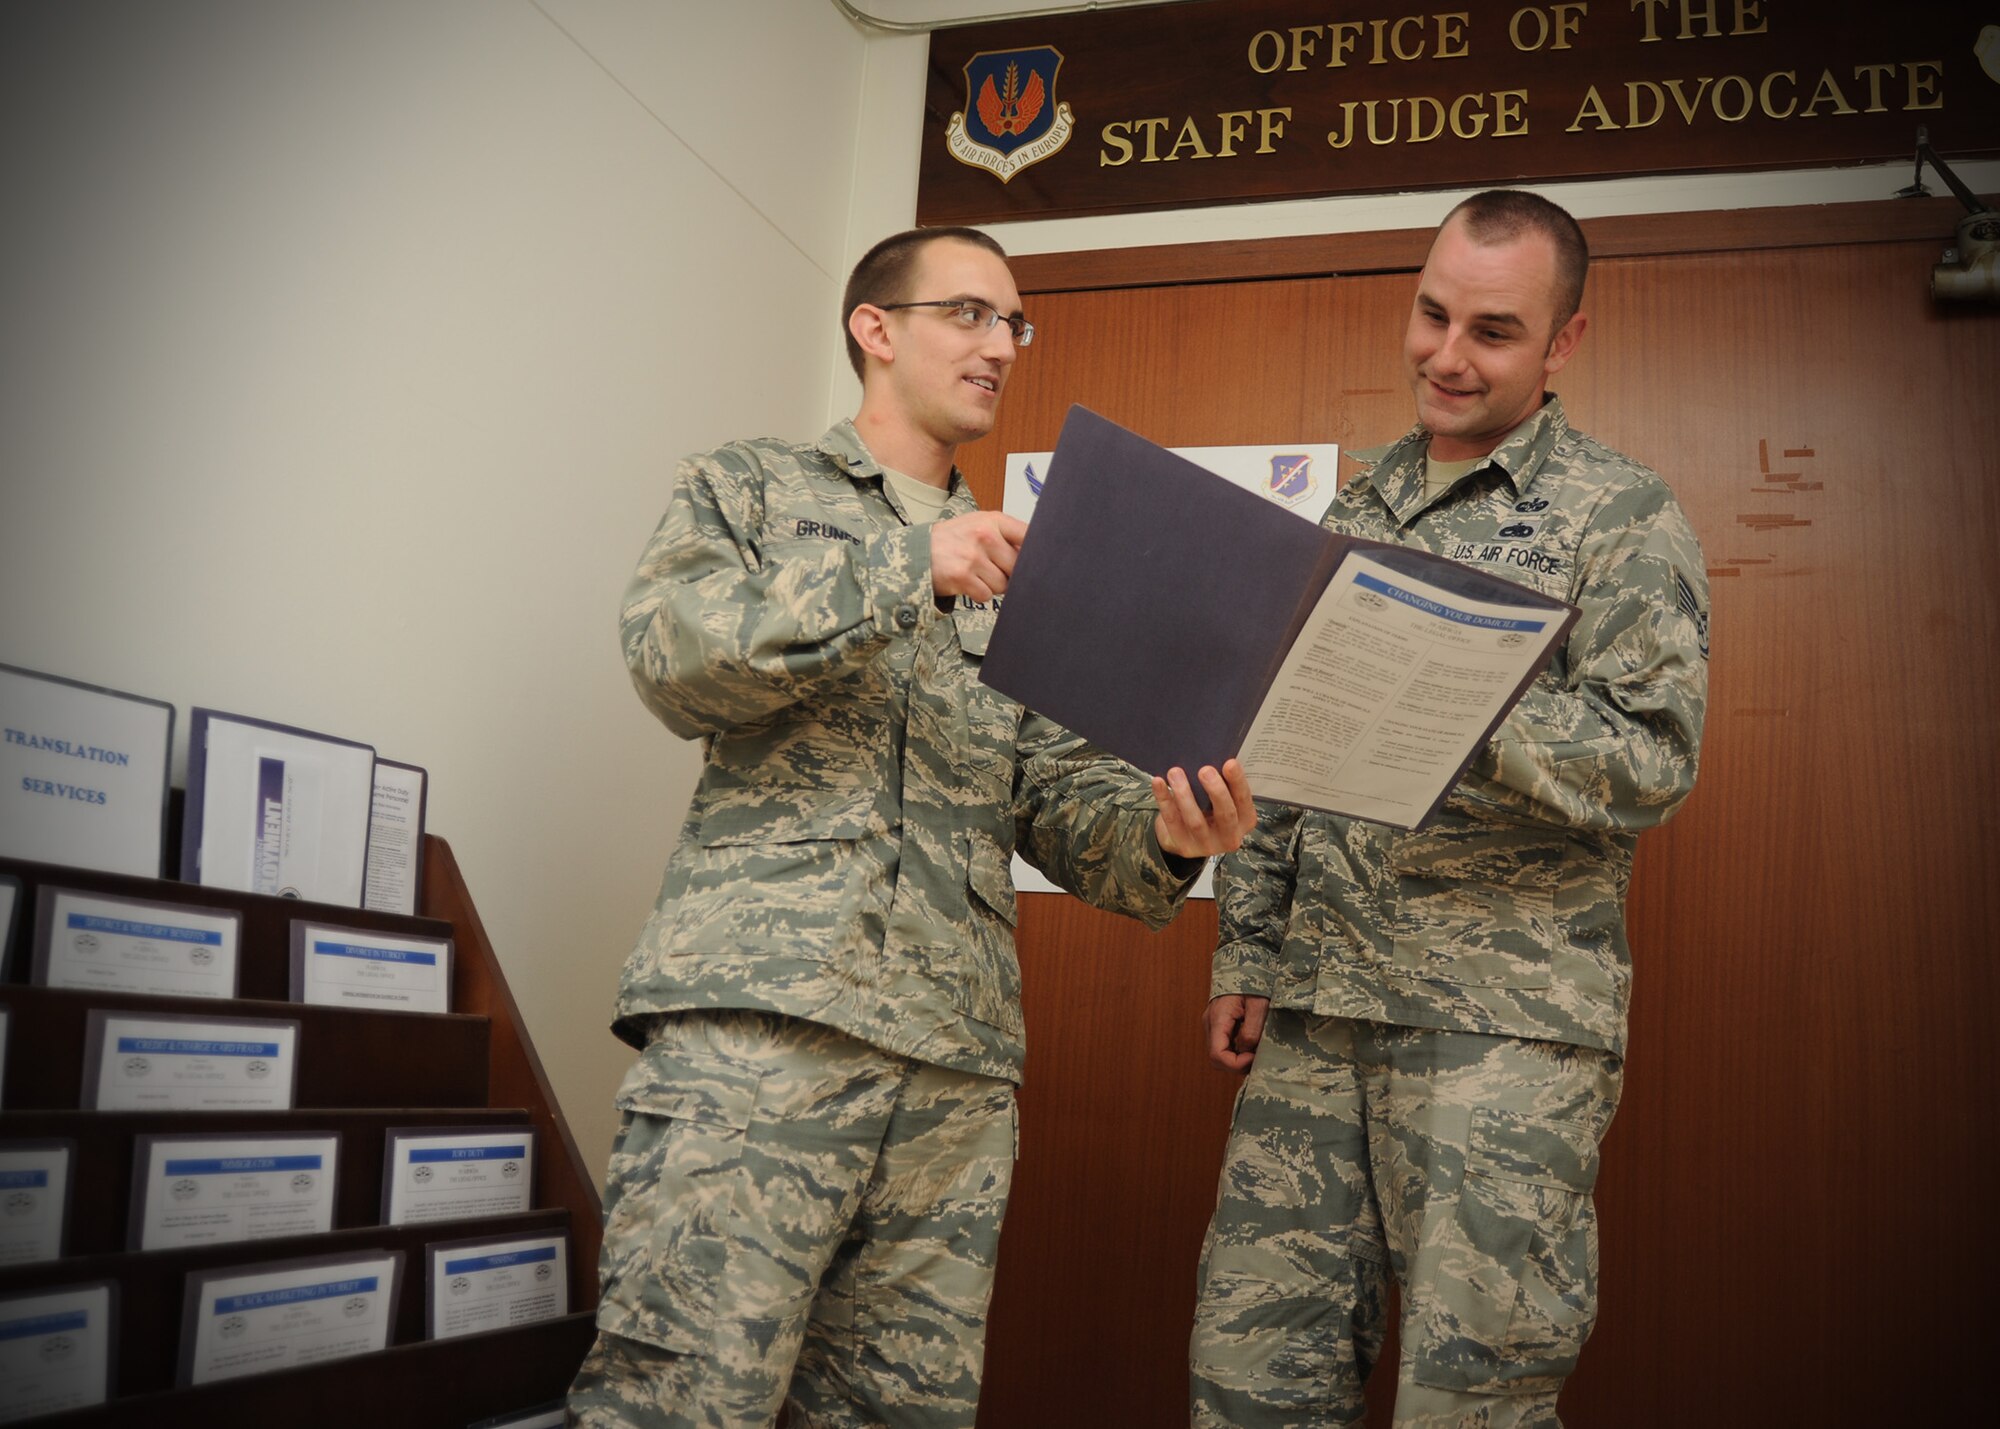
x=1291 y=481
x=1299 y=478
x=1011 y=117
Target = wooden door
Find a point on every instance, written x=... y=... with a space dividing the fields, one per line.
x=1794 y=1227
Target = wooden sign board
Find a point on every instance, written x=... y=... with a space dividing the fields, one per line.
x=1235 y=101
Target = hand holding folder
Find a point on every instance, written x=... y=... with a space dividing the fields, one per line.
x=1175 y=619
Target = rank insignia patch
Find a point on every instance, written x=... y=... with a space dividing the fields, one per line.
x=1691 y=608
x=1011 y=117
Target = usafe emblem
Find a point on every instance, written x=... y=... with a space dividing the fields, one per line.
x=1291 y=479
x=1011 y=117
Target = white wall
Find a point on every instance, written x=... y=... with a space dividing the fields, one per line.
x=346 y=351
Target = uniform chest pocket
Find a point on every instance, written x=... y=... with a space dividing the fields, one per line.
x=975 y=627
x=1528 y=545
x=816 y=771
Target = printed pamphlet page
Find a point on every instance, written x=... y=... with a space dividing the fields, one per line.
x=1388 y=689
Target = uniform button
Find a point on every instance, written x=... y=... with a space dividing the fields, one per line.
x=906 y=616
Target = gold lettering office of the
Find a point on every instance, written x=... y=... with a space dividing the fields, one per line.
x=1531 y=29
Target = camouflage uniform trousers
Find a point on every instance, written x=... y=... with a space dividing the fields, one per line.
x=1463 y=1164
x=793 y=1215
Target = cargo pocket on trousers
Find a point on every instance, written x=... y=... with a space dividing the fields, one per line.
x=675 y=1174
x=1512 y=1292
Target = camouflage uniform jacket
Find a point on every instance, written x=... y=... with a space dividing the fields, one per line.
x=1506 y=914
x=845 y=856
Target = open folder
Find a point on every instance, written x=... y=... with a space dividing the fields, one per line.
x=1174 y=618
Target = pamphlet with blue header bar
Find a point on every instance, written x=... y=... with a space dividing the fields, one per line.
x=363 y=967
x=34 y=1199
x=170 y=1062
x=91 y=940
x=455 y=1173
x=57 y=1349
x=475 y=1285
x=195 y=1189
x=253 y=1319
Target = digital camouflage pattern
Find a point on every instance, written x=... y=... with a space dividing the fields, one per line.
x=816 y=1151
x=1462 y=1163
x=1448 y=1007
x=1507 y=913
x=845 y=856
x=756 y=1155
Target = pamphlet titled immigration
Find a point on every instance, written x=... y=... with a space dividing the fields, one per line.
x=1175 y=619
x=201 y=1190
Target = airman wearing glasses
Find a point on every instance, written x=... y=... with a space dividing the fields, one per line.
x=804 y=1201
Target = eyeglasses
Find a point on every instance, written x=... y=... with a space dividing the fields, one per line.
x=975 y=316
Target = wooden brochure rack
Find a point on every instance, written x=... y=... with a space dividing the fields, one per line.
x=360 y=1072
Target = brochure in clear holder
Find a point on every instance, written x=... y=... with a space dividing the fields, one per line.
x=95 y=941
x=35 y=1190
x=334 y=966
x=58 y=1349
x=135 y=1061
x=256 y=1318
x=276 y=810
x=396 y=837
x=83 y=774
x=205 y=1188
x=491 y=1283
x=451 y=1173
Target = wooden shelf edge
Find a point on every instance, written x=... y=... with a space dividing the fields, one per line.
x=515 y=1075
x=431 y=1382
